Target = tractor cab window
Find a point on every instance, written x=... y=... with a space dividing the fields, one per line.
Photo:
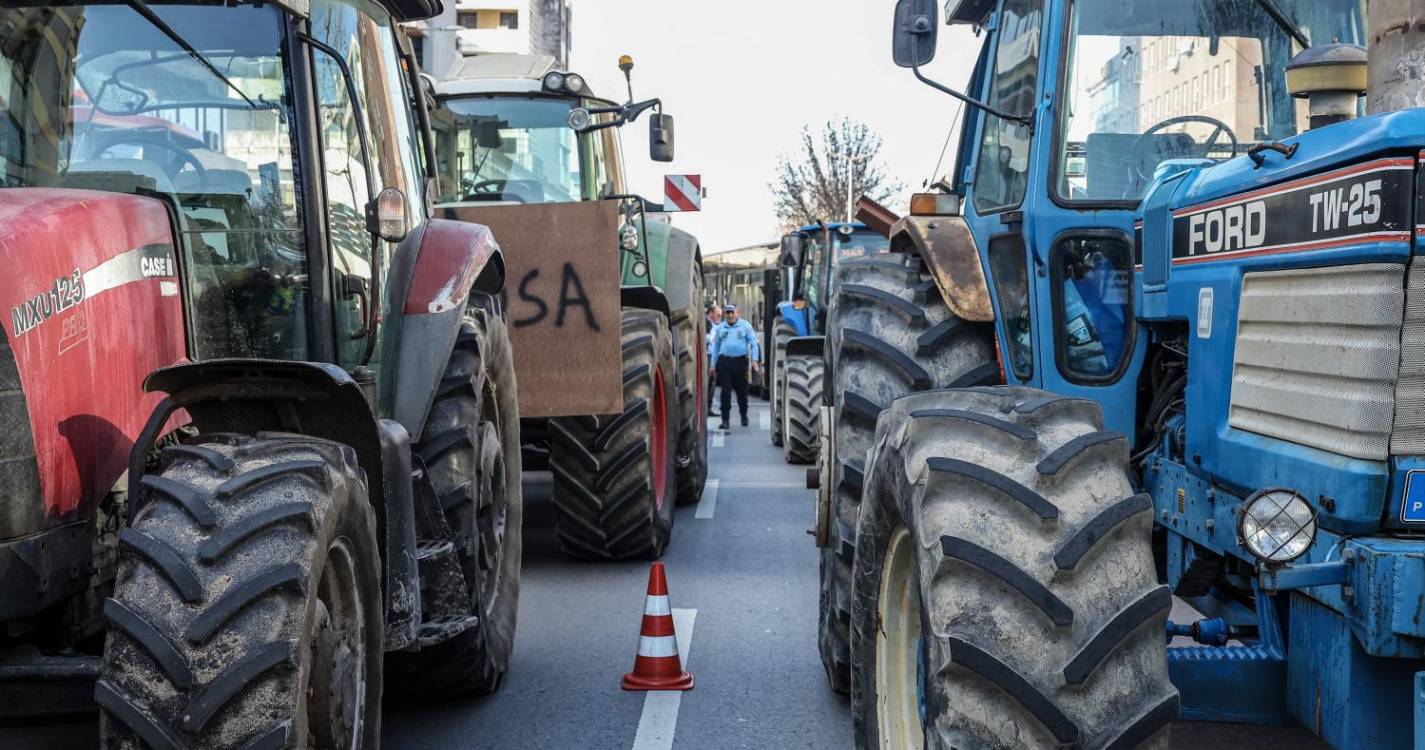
x=1002 y=171
x=813 y=268
x=360 y=31
x=1147 y=81
x=509 y=150
x=101 y=97
x=1093 y=298
x=1009 y=268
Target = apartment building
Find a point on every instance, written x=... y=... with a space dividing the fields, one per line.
x=472 y=27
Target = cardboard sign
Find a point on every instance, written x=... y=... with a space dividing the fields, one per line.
x=561 y=302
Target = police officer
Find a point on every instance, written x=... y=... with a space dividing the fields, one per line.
x=734 y=348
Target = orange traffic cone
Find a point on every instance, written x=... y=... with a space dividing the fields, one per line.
x=657 y=666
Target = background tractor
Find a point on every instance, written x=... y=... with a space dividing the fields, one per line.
x=809 y=256
x=1197 y=269
x=531 y=151
x=260 y=408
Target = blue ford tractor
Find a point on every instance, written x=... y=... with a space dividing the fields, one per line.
x=1190 y=259
x=810 y=255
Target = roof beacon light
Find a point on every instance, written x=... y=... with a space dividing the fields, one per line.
x=1331 y=78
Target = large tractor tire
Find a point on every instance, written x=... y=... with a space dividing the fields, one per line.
x=471 y=449
x=1005 y=587
x=801 y=403
x=247 y=610
x=692 y=403
x=889 y=333
x=781 y=331
x=614 y=474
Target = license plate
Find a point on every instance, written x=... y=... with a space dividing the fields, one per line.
x=1412 y=507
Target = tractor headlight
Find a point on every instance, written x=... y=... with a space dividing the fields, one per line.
x=640 y=269
x=1277 y=525
x=579 y=119
x=554 y=81
x=574 y=82
x=628 y=237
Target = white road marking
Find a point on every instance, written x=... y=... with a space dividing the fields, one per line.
x=708 y=503
x=717 y=438
x=660 y=707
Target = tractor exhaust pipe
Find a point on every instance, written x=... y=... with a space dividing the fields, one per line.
x=1396 y=66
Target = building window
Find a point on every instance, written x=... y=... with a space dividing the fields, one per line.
x=467 y=19
x=509 y=19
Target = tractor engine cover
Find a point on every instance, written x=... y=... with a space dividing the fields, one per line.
x=91 y=304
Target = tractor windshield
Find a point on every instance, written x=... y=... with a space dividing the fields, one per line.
x=1146 y=81
x=859 y=244
x=509 y=150
x=184 y=101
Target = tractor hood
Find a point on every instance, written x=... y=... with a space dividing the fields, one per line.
x=1297 y=276
x=90 y=305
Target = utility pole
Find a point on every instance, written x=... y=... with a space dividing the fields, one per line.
x=851 y=162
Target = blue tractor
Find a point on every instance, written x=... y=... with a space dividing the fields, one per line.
x=1191 y=260
x=809 y=256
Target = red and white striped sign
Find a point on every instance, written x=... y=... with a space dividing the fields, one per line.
x=683 y=192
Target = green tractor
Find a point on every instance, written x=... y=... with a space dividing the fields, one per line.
x=529 y=150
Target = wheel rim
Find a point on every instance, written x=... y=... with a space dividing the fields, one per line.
x=899 y=653
x=336 y=689
x=659 y=436
x=491 y=514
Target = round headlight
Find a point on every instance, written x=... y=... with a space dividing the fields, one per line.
x=1277 y=525
x=640 y=269
x=554 y=81
x=579 y=118
x=574 y=82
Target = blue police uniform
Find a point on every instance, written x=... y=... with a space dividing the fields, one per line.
x=734 y=347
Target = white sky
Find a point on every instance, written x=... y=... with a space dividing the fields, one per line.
x=742 y=77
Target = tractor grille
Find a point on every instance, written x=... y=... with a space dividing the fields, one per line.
x=1408 y=437
x=1317 y=355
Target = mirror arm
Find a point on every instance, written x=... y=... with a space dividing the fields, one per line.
x=377 y=256
x=1025 y=120
x=632 y=111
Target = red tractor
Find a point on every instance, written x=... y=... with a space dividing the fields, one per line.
x=261 y=433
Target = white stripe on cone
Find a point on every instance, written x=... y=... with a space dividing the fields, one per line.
x=657 y=606
x=656 y=646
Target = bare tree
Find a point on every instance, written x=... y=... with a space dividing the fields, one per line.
x=812 y=185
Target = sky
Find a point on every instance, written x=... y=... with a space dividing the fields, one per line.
x=741 y=78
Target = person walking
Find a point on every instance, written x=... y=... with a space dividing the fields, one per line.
x=734 y=348
x=712 y=318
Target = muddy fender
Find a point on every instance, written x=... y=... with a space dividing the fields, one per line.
x=949 y=250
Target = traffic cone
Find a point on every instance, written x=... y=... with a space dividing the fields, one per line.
x=657 y=666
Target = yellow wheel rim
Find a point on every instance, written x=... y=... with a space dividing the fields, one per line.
x=898 y=698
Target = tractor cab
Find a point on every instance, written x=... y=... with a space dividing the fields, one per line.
x=810 y=256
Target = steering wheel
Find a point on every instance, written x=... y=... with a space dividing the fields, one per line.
x=173 y=166
x=1135 y=154
x=492 y=189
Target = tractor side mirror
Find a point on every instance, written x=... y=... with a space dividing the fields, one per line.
x=917 y=22
x=660 y=137
x=793 y=249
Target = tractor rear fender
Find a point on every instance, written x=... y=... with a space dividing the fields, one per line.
x=434 y=270
x=949 y=250
x=645 y=298
x=684 y=259
x=319 y=400
x=806 y=345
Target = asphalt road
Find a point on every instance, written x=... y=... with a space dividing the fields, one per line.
x=749 y=575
